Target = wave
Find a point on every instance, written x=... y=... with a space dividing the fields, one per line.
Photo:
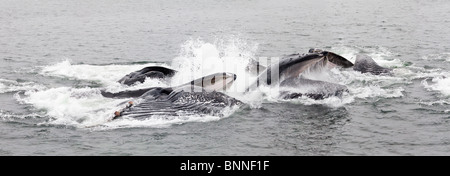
x=8 y=86
x=9 y=116
x=438 y=83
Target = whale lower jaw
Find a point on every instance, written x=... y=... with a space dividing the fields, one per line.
x=180 y=103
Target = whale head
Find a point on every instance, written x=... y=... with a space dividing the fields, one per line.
x=214 y=82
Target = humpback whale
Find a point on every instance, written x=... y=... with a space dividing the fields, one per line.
x=293 y=65
x=200 y=96
x=287 y=73
x=175 y=102
x=366 y=64
x=206 y=95
x=147 y=72
x=290 y=69
x=213 y=82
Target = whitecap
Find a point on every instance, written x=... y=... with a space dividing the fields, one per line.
x=105 y=74
x=437 y=57
x=7 y=86
x=438 y=83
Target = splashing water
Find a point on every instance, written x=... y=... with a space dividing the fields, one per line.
x=14 y=86
x=85 y=107
x=438 y=83
x=198 y=58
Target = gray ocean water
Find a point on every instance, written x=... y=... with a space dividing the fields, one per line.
x=56 y=54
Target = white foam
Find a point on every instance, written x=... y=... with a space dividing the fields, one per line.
x=198 y=58
x=106 y=74
x=330 y=101
x=381 y=55
x=8 y=116
x=422 y=73
x=439 y=83
x=155 y=121
x=2 y=88
x=78 y=107
x=367 y=85
x=434 y=79
x=376 y=91
x=360 y=86
x=7 y=86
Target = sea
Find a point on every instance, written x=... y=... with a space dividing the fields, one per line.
x=57 y=55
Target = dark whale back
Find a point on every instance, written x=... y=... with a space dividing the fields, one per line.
x=366 y=64
x=147 y=72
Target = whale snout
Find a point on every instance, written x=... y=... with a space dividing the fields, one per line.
x=214 y=82
x=219 y=81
